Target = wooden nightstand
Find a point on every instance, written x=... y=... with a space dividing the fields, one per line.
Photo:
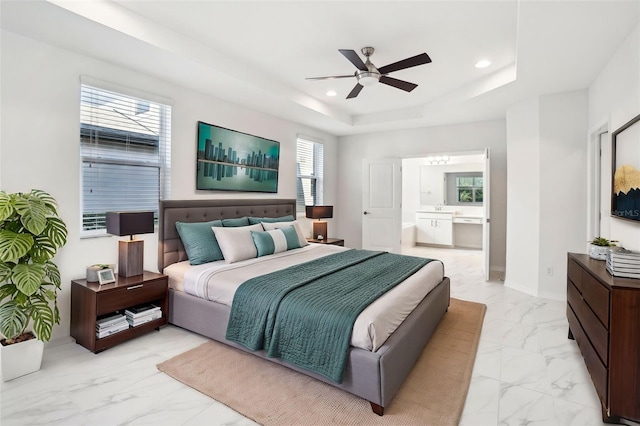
x=90 y=301
x=332 y=241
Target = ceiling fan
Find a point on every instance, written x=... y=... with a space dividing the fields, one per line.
x=368 y=75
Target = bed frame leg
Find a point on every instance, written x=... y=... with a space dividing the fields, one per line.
x=378 y=409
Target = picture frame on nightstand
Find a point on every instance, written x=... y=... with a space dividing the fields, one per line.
x=106 y=276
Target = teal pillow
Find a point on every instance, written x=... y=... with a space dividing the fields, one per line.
x=199 y=241
x=234 y=223
x=255 y=220
x=275 y=241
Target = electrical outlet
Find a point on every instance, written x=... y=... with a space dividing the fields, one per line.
x=549 y=271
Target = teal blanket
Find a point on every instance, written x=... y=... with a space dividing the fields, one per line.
x=304 y=314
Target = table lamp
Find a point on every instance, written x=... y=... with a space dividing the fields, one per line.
x=131 y=252
x=319 y=226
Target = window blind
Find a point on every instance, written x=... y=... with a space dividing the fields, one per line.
x=310 y=173
x=125 y=153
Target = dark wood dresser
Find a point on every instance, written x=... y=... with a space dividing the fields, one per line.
x=604 y=319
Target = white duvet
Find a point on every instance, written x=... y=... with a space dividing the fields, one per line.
x=218 y=281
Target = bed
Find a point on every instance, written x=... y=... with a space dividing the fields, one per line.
x=372 y=375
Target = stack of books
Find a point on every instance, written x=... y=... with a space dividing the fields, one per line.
x=623 y=263
x=142 y=314
x=111 y=325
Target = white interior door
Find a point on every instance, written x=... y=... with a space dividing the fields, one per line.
x=486 y=223
x=381 y=204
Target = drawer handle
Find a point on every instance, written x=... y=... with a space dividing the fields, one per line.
x=133 y=287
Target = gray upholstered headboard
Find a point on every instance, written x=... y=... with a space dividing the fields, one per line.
x=170 y=248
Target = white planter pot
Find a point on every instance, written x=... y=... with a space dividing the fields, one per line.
x=598 y=252
x=20 y=359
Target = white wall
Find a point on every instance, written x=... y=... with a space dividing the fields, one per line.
x=546 y=215
x=40 y=143
x=421 y=142
x=523 y=193
x=614 y=99
x=563 y=195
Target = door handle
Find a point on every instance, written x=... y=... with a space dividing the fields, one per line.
x=366 y=213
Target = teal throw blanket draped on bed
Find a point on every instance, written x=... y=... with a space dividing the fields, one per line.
x=304 y=314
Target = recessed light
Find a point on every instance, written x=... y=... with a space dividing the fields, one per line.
x=331 y=93
x=483 y=63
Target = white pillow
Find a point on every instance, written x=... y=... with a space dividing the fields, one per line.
x=236 y=243
x=268 y=226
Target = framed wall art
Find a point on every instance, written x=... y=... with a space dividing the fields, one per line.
x=228 y=160
x=625 y=197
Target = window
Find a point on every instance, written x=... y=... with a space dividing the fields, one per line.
x=309 y=165
x=125 y=151
x=464 y=188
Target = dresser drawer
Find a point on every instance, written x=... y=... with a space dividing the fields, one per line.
x=596 y=369
x=574 y=271
x=597 y=334
x=597 y=297
x=130 y=295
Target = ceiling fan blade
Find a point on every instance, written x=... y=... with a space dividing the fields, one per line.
x=354 y=92
x=414 y=61
x=398 y=84
x=353 y=57
x=330 y=77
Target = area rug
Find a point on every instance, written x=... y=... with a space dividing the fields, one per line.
x=433 y=394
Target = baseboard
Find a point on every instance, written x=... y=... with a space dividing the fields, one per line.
x=520 y=288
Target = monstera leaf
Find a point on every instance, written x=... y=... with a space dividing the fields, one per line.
x=28 y=278
x=6 y=208
x=43 y=318
x=13 y=319
x=56 y=231
x=13 y=246
x=33 y=214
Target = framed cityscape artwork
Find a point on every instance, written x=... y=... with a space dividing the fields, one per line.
x=228 y=160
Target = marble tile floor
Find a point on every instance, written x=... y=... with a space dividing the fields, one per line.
x=526 y=370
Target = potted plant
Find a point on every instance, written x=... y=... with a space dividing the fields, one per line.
x=30 y=235
x=599 y=246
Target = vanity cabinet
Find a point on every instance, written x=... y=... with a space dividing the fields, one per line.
x=434 y=228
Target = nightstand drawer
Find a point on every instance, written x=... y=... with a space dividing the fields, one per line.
x=130 y=295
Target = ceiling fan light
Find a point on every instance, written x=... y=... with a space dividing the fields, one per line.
x=367 y=78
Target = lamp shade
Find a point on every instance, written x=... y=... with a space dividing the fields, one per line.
x=319 y=212
x=129 y=223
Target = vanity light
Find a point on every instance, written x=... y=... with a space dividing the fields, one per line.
x=483 y=63
x=332 y=93
x=438 y=159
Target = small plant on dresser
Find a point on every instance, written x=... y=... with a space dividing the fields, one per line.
x=598 y=248
x=31 y=233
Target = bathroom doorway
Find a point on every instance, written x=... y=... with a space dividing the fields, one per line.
x=445 y=203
